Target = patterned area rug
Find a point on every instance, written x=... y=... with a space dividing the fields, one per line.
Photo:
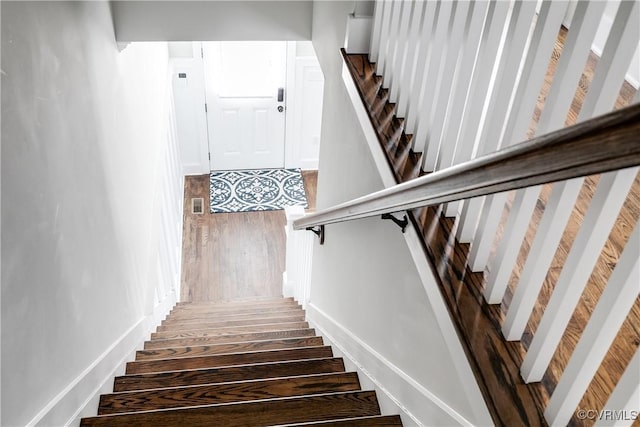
x=256 y=190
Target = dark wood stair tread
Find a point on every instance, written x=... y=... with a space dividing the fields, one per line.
x=186 y=363
x=228 y=374
x=179 y=352
x=412 y=168
x=191 y=333
x=229 y=338
x=176 y=397
x=254 y=413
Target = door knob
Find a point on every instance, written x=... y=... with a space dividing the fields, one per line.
x=280 y=108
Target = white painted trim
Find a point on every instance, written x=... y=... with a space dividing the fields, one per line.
x=290 y=106
x=80 y=398
x=419 y=406
x=192 y=169
x=298 y=138
x=413 y=240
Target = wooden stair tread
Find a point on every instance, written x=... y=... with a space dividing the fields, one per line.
x=368 y=74
x=253 y=413
x=378 y=421
x=181 y=317
x=253 y=301
x=218 y=310
x=210 y=324
x=176 y=397
x=253 y=305
x=178 y=352
x=390 y=136
x=384 y=118
x=191 y=333
x=412 y=167
x=198 y=362
x=229 y=338
x=228 y=374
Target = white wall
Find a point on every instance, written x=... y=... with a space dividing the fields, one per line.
x=91 y=204
x=600 y=37
x=189 y=98
x=366 y=291
x=212 y=20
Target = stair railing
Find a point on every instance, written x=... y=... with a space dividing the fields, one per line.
x=466 y=80
x=606 y=143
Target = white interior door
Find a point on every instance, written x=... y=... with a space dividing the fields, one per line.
x=245 y=101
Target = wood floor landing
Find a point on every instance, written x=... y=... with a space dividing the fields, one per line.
x=233 y=256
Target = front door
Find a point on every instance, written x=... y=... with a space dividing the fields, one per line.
x=245 y=104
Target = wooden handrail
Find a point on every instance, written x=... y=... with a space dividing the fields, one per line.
x=602 y=144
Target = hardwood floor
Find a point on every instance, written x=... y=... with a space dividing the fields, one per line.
x=233 y=256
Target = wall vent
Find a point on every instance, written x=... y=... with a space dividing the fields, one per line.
x=197 y=205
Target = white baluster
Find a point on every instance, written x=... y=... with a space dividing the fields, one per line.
x=611 y=311
x=392 y=48
x=609 y=197
x=603 y=91
x=524 y=103
x=299 y=254
x=464 y=70
x=384 y=35
x=431 y=14
x=407 y=75
x=624 y=399
x=474 y=112
x=432 y=132
x=574 y=56
x=376 y=30
x=498 y=107
x=427 y=91
x=400 y=60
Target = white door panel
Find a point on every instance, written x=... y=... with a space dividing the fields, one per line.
x=306 y=114
x=246 y=130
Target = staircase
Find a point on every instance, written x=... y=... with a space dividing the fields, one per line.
x=252 y=363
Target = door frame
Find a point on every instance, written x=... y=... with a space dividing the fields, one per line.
x=290 y=151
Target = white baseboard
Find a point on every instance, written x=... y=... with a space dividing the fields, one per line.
x=80 y=398
x=419 y=406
